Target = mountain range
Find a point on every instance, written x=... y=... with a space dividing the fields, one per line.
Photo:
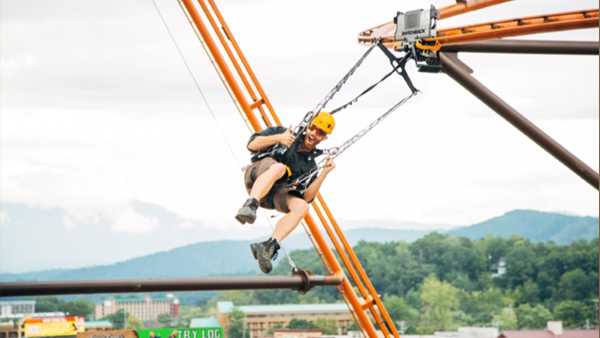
x=229 y=257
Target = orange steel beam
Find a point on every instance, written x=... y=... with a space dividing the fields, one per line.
x=350 y=267
x=236 y=47
x=250 y=97
x=335 y=268
x=232 y=85
x=519 y=26
x=374 y=295
x=466 y=6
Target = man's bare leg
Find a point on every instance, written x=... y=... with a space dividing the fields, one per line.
x=264 y=182
x=265 y=251
x=298 y=208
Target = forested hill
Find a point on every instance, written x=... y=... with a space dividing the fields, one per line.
x=534 y=225
x=199 y=259
x=233 y=257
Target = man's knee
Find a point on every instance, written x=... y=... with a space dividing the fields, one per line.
x=298 y=205
x=278 y=168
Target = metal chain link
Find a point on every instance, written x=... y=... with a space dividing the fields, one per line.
x=321 y=105
x=336 y=151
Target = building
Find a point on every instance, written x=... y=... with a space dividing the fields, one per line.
x=98 y=325
x=146 y=309
x=297 y=333
x=205 y=322
x=499 y=269
x=554 y=329
x=107 y=334
x=12 y=308
x=467 y=332
x=11 y=329
x=260 y=319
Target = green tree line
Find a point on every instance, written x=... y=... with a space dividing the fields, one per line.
x=440 y=282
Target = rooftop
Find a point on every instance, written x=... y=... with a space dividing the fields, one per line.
x=204 y=322
x=549 y=334
x=92 y=324
x=227 y=307
x=17 y=302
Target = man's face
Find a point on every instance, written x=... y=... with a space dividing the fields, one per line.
x=313 y=137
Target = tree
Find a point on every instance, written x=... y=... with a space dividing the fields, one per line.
x=134 y=323
x=528 y=293
x=80 y=307
x=506 y=319
x=439 y=305
x=237 y=328
x=402 y=312
x=237 y=297
x=48 y=304
x=328 y=327
x=482 y=306
x=273 y=328
x=301 y=324
x=575 y=285
x=165 y=319
x=529 y=317
x=572 y=313
x=118 y=319
x=520 y=264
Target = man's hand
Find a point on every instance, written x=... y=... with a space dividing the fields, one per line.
x=287 y=138
x=328 y=166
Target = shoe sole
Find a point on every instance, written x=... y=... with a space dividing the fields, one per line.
x=245 y=218
x=261 y=263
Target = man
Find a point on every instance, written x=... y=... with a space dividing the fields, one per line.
x=270 y=176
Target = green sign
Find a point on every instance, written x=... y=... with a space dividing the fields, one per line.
x=165 y=332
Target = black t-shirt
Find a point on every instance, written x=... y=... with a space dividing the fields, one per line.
x=300 y=163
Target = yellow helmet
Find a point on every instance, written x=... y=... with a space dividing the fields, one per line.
x=324 y=121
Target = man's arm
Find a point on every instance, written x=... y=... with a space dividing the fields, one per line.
x=260 y=142
x=313 y=188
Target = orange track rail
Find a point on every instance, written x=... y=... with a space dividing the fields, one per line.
x=466 y=6
x=492 y=30
x=233 y=68
x=520 y=26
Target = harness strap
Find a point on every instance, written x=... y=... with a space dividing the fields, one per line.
x=354 y=100
x=401 y=63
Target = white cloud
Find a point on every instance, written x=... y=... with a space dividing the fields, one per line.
x=130 y=221
x=185 y=225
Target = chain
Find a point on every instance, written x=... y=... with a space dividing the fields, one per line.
x=321 y=105
x=336 y=151
x=355 y=99
x=308 y=117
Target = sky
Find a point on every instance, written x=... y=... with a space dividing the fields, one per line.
x=97 y=110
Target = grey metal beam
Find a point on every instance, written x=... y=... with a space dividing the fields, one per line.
x=526 y=47
x=298 y=282
x=524 y=125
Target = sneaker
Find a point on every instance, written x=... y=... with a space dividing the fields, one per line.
x=247 y=213
x=265 y=252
